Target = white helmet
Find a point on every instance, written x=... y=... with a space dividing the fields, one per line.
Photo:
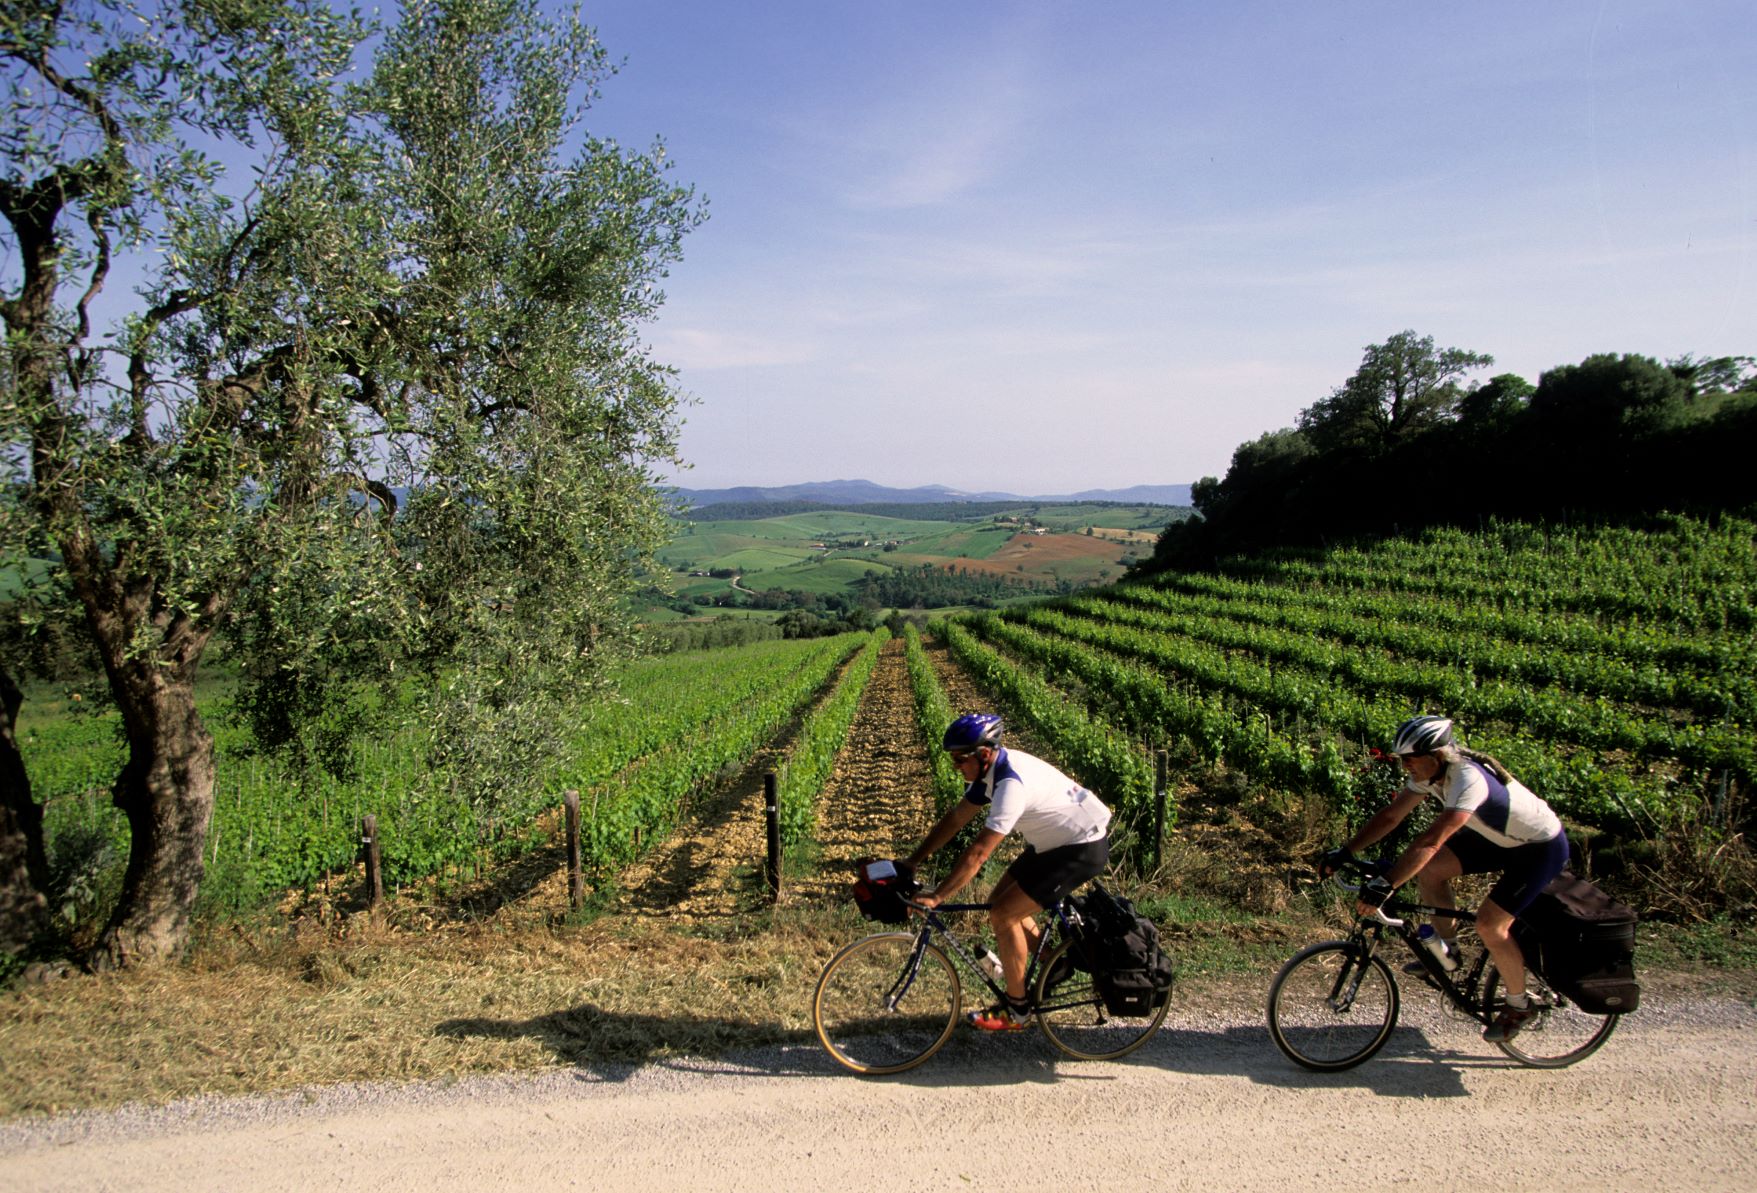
x=1422 y=735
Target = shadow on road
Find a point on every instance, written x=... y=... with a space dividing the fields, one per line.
x=1411 y=1064
x=609 y=1045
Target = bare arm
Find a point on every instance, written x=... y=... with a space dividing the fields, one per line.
x=965 y=868
x=1386 y=819
x=1421 y=851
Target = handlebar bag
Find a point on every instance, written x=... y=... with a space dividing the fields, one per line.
x=879 y=891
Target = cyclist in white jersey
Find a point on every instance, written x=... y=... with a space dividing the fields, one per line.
x=1488 y=822
x=1067 y=842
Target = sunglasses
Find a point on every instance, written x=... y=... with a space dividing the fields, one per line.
x=960 y=757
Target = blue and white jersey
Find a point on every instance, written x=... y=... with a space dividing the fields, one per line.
x=1507 y=814
x=1047 y=808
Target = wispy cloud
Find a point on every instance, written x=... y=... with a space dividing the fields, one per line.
x=701 y=348
x=954 y=129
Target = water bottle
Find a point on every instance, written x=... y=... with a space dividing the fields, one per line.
x=989 y=964
x=1434 y=943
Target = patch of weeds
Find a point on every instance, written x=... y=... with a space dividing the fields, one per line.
x=85 y=873
x=11 y=966
x=1176 y=908
x=599 y=899
x=1213 y=952
x=1717 y=944
x=799 y=861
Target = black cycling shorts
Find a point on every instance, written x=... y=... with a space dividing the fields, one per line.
x=1525 y=869
x=1052 y=875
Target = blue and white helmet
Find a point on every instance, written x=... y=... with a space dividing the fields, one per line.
x=1422 y=735
x=971 y=730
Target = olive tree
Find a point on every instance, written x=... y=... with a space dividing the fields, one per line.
x=324 y=337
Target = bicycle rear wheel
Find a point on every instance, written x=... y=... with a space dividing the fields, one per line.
x=1071 y=1013
x=1560 y=1035
x=1331 y=1007
x=886 y=1003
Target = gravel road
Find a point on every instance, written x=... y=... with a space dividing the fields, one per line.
x=1209 y=1104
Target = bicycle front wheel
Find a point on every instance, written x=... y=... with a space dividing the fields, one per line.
x=886 y=1003
x=1560 y=1035
x=1070 y=1011
x=1331 y=1007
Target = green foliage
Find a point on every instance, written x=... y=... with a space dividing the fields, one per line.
x=1615 y=437
x=383 y=406
x=933 y=712
x=1610 y=669
x=277 y=827
x=812 y=755
x=642 y=803
x=1402 y=387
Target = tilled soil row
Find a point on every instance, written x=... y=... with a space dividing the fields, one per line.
x=879 y=800
x=878 y=803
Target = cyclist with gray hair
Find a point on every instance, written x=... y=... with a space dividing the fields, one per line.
x=1489 y=822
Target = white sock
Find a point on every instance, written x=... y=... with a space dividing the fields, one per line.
x=1518 y=1002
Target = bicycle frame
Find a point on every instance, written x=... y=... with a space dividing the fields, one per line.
x=1462 y=992
x=934 y=926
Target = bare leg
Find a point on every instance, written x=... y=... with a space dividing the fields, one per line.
x=1435 y=884
x=1013 y=916
x=1495 y=925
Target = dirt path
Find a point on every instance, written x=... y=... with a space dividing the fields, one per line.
x=878 y=800
x=1208 y=1105
x=712 y=866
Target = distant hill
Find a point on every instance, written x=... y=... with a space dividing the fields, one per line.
x=863 y=492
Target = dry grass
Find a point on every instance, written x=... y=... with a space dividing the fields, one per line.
x=259 y=1012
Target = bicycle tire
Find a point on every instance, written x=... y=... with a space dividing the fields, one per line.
x=1307 y=1023
x=1561 y=1035
x=880 y=1008
x=1073 y=1017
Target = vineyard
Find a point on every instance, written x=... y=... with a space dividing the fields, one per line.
x=674 y=726
x=1611 y=669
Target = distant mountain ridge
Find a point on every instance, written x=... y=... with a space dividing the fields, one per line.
x=864 y=492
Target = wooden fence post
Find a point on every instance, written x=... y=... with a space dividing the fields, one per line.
x=576 y=887
x=374 y=870
x=772 y=813
x=1163 y=771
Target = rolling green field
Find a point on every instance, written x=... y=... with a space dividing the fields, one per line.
x=825 y=552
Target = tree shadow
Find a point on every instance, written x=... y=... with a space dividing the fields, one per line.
x=610 y=1045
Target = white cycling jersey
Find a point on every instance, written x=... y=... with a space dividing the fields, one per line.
x=1047 y=808
x=1507 y=814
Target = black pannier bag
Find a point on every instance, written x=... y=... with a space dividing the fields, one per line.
x=880 y=889
x=1131 y=971
x=1583 y=943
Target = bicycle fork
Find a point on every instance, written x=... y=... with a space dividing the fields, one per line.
x=906 y=979
x=1348 y=981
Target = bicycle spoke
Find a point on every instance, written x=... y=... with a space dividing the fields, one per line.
x=886 y=1003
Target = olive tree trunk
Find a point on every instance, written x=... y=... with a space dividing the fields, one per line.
x=166 y=790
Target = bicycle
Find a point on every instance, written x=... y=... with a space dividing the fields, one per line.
x=1334 y=1004
x=889 y=1001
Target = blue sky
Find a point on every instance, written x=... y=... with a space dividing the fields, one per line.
x=1041 y=247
